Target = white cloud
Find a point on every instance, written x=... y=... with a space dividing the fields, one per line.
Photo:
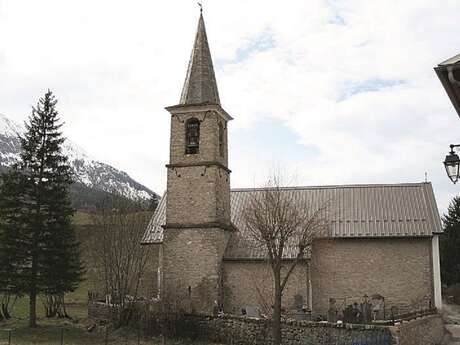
x=115 y=65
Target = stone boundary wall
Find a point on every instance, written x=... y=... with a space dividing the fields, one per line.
x=428 y=330
x=237 y=330
x=99 y=311
x=248 y=331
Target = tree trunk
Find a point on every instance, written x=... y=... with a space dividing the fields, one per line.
x=6 y=312
x=63 y=307
x=33 y=278
x=33 y=308
x=6 y=306
x=33 y=289
x=276 y=320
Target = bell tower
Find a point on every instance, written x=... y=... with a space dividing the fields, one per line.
x=198 y=189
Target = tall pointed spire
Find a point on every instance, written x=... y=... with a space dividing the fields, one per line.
x=200 y=83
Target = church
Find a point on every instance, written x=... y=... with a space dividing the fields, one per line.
x=383 y=242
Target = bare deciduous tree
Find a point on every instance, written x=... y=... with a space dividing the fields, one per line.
x=7 y=301
x=118 y=255
x=54 y=305
x=279 y=222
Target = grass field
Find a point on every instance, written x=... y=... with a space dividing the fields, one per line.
x=82 y=218
x=74 y=331
x=49 y=330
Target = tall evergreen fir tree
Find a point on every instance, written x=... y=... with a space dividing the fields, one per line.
x=12 y=261
x=36 y=212
x=450 y=244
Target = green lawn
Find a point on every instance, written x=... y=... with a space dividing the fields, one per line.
x=49 y=332
x=75 y=330
x=75 y=302
x=81 y=218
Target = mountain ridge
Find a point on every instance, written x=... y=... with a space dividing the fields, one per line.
x=88 y=172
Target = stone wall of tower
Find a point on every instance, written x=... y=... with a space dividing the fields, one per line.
x=198 y=184
x=192 y=268
x=209 y=138
x=197 y=215
x=198 y=194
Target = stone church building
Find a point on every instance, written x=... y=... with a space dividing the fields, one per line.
x=383 y=240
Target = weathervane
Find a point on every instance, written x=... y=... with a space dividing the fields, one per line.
x=201 y=7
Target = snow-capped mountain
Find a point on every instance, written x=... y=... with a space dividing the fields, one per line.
x=9 y=142
x=89 y=172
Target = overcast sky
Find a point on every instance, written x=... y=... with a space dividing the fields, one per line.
x=333 y=92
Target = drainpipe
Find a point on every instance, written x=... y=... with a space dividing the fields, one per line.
x=309 y=289
x=436 y=272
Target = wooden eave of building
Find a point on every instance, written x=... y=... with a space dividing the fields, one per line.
x=452 y=90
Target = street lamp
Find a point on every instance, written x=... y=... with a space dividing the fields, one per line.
x=449 y=74
x=452 y=164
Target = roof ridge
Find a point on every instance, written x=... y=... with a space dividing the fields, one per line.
x=366 y=185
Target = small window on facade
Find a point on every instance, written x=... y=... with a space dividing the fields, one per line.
x=192 y=136
x=221 y=139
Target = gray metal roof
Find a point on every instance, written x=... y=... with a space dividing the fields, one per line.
x=354 y=211
x=449 y=74
x=200 y=83
x=453 y=60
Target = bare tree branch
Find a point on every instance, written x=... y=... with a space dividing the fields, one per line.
x=118 y=255
x=286 y=227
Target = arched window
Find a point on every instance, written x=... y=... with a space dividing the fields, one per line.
x=221 y=139
x=192 y=136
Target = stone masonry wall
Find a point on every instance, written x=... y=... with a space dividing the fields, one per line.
x=428 y=330
x=209 y=138
x=192 y=195
x=249 y=331
x=99 y=311
x=197 y=214
x=398 y=269
x=249 y=283
x=191 y=268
